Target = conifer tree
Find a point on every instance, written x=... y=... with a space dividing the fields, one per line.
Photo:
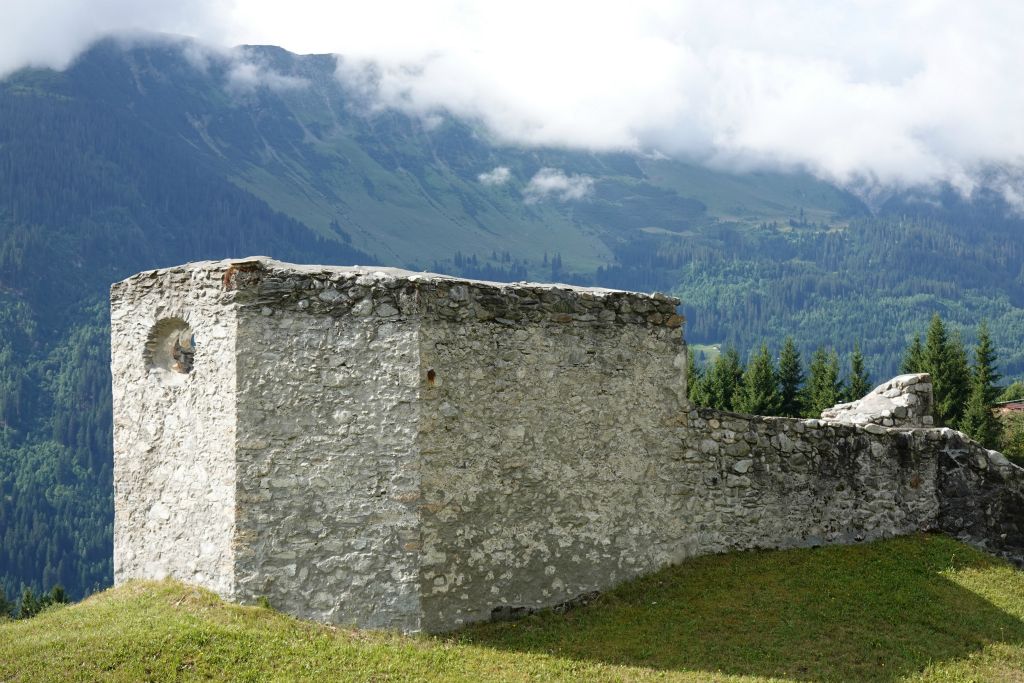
x=30 y=604
x=936 y=344
x=698 y=391
x=860 y=380
x=958 y=381
x=945 y=359
x=824 y=389
x=978 y=421
x=759 y=393
x=986 y=371
x=724 y=379
x=913 y=360
x=791 y=379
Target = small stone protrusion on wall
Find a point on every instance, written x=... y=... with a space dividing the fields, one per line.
x=903 y=401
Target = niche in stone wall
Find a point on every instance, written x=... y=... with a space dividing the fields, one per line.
x=171 y=348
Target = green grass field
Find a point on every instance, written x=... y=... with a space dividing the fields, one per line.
x=918 y=608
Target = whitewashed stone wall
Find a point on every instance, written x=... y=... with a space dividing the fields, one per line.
x=174 y=434
x=549 y=421
x=328 y=376
x=410 y=451
x=343 y=385
x=769 y=482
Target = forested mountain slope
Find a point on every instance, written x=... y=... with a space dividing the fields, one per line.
x=155 y=153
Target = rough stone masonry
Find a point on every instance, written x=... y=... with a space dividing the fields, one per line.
x=412 y=451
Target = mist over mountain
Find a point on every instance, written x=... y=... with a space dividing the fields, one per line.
x=871 y=95
x=148 y=153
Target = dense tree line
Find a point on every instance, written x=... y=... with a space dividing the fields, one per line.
x=768 y=386
x=964 y=391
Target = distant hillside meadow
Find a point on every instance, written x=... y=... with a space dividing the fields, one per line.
x=141 y=157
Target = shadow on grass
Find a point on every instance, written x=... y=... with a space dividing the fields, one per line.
x=870 y=612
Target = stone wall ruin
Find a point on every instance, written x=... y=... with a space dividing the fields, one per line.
x=412 y=451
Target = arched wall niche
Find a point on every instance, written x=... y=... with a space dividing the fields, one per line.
x=170 y=349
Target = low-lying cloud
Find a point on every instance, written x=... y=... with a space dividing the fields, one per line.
x=499 y=175
x=247 y=74
x=51 y=33
x=555 y=184
x=865 y=93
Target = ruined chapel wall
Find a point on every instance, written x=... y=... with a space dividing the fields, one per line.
x=410 y=451
x=174 y=433
x=547 y=441
x=981 y=496
x=327 y=468
x=780 y=483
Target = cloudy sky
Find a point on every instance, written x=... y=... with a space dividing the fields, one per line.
x=866 y=93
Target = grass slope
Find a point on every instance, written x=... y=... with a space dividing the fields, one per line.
x=916 y=608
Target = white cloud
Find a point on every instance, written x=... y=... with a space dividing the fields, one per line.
x=247 y=74
x=551 y=182
x=499 y=175
x=52 y=32
x=865 y=92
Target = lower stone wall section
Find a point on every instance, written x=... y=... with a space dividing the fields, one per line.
x=711 y=482
x=779 y=482
x=514 y=534
x=981 y=496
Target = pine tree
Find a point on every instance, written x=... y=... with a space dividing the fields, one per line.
x=823 y=387
x=57 y=596
x=724 y=379
x=945 y=359
x=860 y=380
x=985 y=371
x=934 y=361
x=978 y=421
x=958 y=381
x=30 y=604
x=791 y=379
x=759 y=393
x=913 y=360
x=699 y=392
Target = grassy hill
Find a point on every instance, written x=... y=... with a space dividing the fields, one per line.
x=918 y=608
